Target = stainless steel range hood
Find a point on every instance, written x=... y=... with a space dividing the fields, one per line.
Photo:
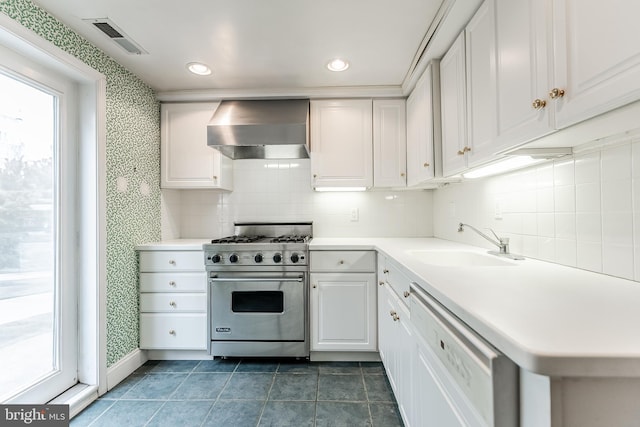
x=264 y=129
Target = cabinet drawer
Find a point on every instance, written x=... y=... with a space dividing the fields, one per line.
x=171 y=261
x=173 y=331
x=352 y=261
x=398 y=281
x=173 y=302
x=173 y=282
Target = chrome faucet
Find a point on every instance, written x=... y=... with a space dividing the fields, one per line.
x=501 y=242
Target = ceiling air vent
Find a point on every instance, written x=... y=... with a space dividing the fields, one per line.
x=106 y=26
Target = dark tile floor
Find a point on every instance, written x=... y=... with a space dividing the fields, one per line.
x=247 y=392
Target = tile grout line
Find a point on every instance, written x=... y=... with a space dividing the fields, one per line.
x=206 y=417
x=366 y=394
x=273 y=380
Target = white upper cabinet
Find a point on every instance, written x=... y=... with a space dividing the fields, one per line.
x=341 y=143
x=481 y=85
x=522 y=71
x=453 y=103
x=389 y=143
x=597 y=62
x=186 y=160
x=423 y=126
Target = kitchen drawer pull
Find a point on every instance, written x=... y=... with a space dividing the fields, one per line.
x=172 y=304
x=556 y=93
x=172 y=332
x=172 y=262
x=381 y=283
x=406 y=294
x=341 y=262
x=172 y=283
x=385 y=271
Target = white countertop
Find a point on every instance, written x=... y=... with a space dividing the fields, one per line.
x=549 y=319
x=174 y=245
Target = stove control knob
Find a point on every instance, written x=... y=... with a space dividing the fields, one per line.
x=216 y=258
x=258 y=258
x=295 y=257
x=233 y=258
x=277 y=258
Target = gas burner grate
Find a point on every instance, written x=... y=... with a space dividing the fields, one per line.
x=290 y=239
x=238 y=239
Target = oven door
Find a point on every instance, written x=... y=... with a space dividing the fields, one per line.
x=257 y=306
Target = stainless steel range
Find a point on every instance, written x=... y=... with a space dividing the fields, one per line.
x=258 y=291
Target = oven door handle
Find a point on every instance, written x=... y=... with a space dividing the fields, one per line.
x=256 y=279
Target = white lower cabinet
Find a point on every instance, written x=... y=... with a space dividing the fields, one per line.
x=396 y=343
x=343 y=301
x=173 y=300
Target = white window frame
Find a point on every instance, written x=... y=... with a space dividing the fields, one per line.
x=91 y=208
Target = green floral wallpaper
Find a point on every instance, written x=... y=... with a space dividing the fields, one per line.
x=133 y=153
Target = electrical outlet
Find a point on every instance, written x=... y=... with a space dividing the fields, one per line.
x=497 y=214
x=354 y=214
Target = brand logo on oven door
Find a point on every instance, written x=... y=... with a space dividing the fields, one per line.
x=223 y=330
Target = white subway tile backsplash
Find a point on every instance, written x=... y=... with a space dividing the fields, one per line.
x=587 y=168
x=565 y=198
x=565 y=225
x=589 y=227
x=564 y=173
x=566 y=252
x=618 y=261
x=617 y=228
x=616 y=163
x=616 y=195
x=588 y=197
x=582 y=212
x=589 y=256
x=545 y=199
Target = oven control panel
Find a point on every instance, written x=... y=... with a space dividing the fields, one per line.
x=257 y=258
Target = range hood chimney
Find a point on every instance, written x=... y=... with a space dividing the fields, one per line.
x=264 y=129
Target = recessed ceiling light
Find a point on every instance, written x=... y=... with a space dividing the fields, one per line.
x=199 y=68
x=338 y=65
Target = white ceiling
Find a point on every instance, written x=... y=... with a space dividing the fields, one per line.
x=258 y=45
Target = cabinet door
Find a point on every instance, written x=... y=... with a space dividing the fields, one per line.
x=453 y=104
x=343 y=312
x=597 y=57
x=341 y=143
x=186 y=160
x=522 y=71
x=481 y=84
x=396 y=344
x=420 y=128
x=389 y=143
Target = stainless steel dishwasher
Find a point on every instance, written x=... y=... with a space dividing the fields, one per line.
x=462 y=379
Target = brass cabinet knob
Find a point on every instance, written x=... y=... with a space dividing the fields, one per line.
x=172 y=283
x=426 y=165
x=172 y=262
x=172 y=304
x=556 y=93
x=385 y=271
x=464 y=150
x=172 y=332
x=341 y=262
x=215 y=177
x=539 y=103
x=402 y=174
x=392 y=313
x=460 y=152
x=406 y=294
x=315 y=176
x=381 y=283
x=396 y=317
x=314 y=286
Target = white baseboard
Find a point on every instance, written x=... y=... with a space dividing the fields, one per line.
x=125 y=367
x=344 y=356
x=178 y=355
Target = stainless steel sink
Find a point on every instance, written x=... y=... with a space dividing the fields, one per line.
x=460 y=259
